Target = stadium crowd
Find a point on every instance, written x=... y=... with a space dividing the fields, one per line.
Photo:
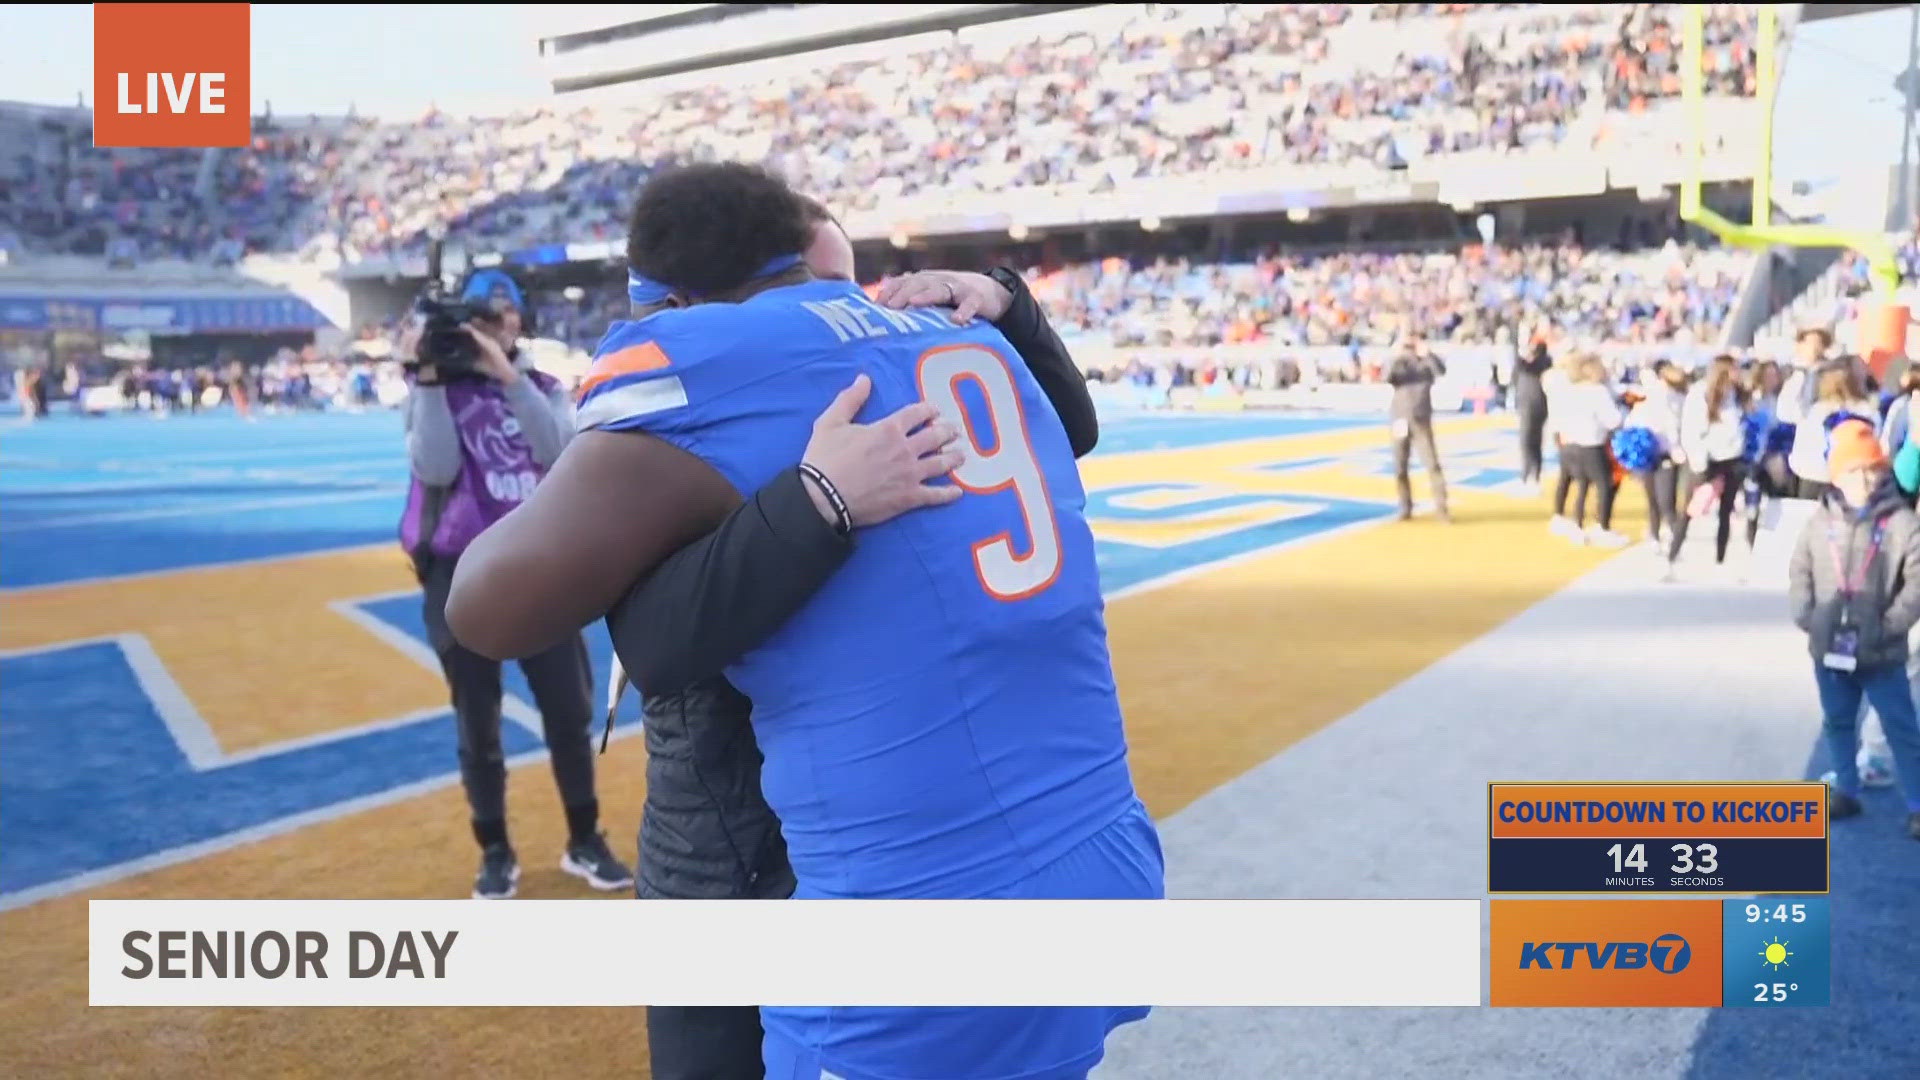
x=1466 y=295
x=1080 y=103
x=60 y=194
x=1174 y=90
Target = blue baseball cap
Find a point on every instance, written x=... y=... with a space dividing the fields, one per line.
x=488 y=286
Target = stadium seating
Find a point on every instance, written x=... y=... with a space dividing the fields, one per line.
x=1075 y=103
x=1176 y=89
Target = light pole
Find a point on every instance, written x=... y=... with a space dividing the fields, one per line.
x=1908 y=84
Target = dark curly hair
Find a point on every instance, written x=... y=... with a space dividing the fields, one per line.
x=705 y=229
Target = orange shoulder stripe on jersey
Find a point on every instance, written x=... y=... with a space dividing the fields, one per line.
x=645 y=356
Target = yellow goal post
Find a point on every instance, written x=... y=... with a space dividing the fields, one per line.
x=1761 y=231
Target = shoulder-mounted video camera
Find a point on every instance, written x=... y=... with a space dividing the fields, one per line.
x=444 y=347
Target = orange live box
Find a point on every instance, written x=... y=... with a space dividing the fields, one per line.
x=1657 y=838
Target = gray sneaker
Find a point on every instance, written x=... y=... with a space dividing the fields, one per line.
x=499 y=874
x=592 y=861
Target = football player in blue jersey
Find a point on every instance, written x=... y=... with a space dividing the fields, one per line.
x=940 y=720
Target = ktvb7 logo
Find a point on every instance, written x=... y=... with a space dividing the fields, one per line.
x=1579 y=953
x=172 y=75
x=1668 y=954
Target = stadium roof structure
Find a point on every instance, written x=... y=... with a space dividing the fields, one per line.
x=1817 y=12
x=588 y=59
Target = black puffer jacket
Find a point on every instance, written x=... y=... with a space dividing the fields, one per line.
x=703 y=797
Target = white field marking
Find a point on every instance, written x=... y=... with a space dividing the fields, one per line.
x=107 y=875
x=117 y=517
x=183 y=721
x=1188 y=573
x=336 y=735
x=258 y=454
x=319 y=476
x=1274 y=509
x=512 y=707
x=189 y=729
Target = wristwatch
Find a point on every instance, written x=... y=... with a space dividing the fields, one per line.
x=1010 y=281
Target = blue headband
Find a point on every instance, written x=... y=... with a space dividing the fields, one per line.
x=644 y=290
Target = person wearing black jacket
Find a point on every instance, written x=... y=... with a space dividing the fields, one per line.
x=1412 y=376
x=1530 y=401
x=707 y=832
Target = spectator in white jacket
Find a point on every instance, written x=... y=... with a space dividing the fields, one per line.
x=1713 y=442
x=1839 y=388
x=1584 y=416
x=1659 y=412
x=1796 y=391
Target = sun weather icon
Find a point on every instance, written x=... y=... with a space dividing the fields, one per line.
x=1775 y=954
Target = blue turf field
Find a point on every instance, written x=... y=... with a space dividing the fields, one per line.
x=118 y=495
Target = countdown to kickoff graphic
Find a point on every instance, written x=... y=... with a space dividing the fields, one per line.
x=1657 y=838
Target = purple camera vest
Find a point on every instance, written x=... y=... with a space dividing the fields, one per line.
x=497 y=471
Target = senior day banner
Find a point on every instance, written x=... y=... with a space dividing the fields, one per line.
x=744 y=952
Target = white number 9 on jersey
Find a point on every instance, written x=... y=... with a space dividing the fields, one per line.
x=997 y=459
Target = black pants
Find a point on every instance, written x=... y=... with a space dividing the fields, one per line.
x=704 y=1042
x=1662 y=484
x=1728 y=475
x=1810 y=489
x=1769 y=479
x=562 y=683
x=1533 y=433
x=1583 y=467
x=1418 y=431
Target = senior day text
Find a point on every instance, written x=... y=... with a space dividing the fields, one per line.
x=271 y=954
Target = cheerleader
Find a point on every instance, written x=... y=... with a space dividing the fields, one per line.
x=1656 y=456
x=1584 y=416
x=1714 y=445
x=1839 y=392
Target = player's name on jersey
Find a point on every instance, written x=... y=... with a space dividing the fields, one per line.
x=1655 y=838
x=853 y=318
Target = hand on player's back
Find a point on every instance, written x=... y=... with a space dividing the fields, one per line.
x=882 y=469
x=968 y=294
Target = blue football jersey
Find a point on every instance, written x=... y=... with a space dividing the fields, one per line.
x=940 y=720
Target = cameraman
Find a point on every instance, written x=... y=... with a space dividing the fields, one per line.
x=482 y=429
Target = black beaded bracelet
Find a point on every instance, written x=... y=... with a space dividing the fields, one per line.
x=844 y=524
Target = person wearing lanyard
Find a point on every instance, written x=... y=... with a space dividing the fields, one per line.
x=1855 y=587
